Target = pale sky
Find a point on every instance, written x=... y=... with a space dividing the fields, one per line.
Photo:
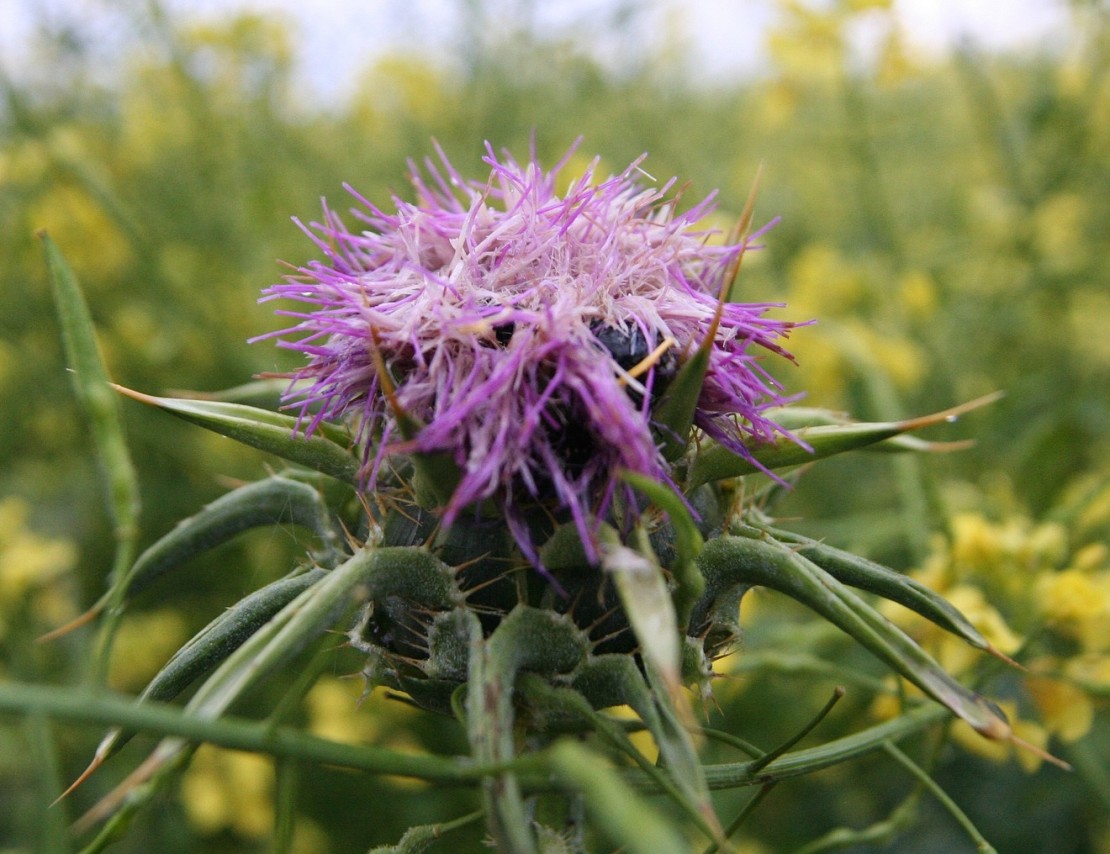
x=337 y=38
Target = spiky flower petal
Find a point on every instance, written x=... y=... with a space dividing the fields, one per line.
x=529 y=332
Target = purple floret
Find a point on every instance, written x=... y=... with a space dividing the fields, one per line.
x=495 y=306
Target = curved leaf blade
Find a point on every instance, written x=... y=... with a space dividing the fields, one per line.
x=91 y=385
x=275 y=500
x=730 y=561
x=864 y=574
x=211 y=645
x=622 y=815
x=689 y=584
x=808 y=444
x=272 y=432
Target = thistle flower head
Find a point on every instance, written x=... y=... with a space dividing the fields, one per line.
x=529 y=333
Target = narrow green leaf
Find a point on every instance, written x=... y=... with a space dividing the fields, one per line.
x=273 y=501
x=865 y=574
x=799 y=417
x=675 y=412
x=527 y=639
x=90 y=383
x=226 y=633
x=647 y=603
x=254 y=393
x=272 y=432
x=731 y=561
x=651 y=612
x=715 y=462
x=370 y=574
x=214 y=643
x=689 y=583
x=622 y=815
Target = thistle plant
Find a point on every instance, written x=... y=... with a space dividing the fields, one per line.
x=538 y=448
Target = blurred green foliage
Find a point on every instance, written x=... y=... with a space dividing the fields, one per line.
x=944 y=220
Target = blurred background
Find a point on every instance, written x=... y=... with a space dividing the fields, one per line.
x=942 y=175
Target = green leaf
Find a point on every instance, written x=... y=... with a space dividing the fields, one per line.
x=875 y=578
x=675 y=412
x=273 y=501
x=370 y=574
x=91 y=385
x=272 y=432
x=716 y=462
x=731 y=561
x=210 y=646
x=643 y=592
x=90 y=382
x=650 y=609
x=527 y=639
x=626 y=820
x=689 y=583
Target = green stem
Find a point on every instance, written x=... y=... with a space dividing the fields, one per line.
x=929 y=783
x=527 y=639
x=259 y=737
x=748 y=809
x=286 y=772
x=802 y=762
x=768 y=758
x=51 y=821
x=237 y=734
x=732 y=741
x=490 y=722
x=879 y=833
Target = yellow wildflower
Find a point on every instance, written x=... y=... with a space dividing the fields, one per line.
x=1091 y=557
x=1077 y=604
x=975 y=542
x=33 y=569
x=1065 y=709
x=333 y=712
x=336 y=712
x=917 y=292
x=229 y=790
x=1059 y=232
x=1090 y=671
x=1069 y=596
